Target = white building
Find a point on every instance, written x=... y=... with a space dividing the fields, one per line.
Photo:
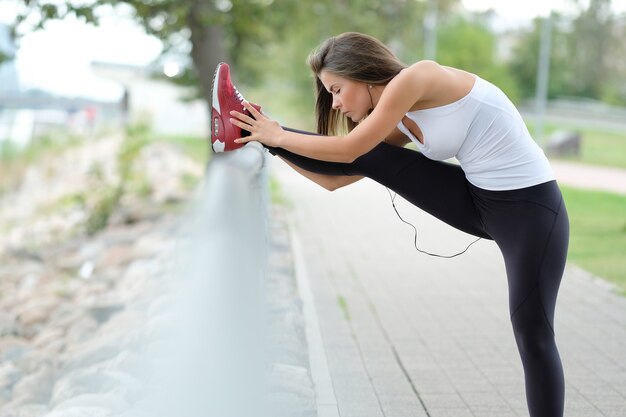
x=8 y=75
x=14 y=127
x=27 y=113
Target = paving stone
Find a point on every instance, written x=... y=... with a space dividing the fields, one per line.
x=446 y=320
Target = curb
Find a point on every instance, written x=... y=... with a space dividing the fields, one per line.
x=324 y=392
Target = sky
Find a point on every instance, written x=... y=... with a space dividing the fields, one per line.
x=66 y=49
x=528 y=9
x=58 y=58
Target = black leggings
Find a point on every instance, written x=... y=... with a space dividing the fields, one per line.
x=529 y=225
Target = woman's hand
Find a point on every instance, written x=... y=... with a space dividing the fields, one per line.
x=261 y=128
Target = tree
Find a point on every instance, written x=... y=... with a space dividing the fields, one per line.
x=211 y=30
x=589 y=43
x=397 y=23
x=288 y=83
x=470 y=45
x=614 y=88
x=524 y=63
x=3 y=57
x=587 y=56
x=6 y=48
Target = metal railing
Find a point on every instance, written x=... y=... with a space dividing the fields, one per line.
x=214 y=362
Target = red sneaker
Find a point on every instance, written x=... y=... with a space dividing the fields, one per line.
x=225 y=98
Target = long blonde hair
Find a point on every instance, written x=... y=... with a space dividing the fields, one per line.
x=354 y=56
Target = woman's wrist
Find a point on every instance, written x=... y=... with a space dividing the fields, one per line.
x=281 y=138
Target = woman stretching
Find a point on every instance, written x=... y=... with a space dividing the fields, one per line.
x=504 y=188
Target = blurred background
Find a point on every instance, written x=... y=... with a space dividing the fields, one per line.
x=76 y=71
x=99 y=61
x=104 y=140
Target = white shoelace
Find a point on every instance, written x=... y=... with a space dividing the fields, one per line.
x=238 y=94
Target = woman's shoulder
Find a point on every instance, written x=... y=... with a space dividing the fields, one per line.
x=425 y=65
x=425 y=72
x=427 y=69
x=422 y=76
x=437 y=83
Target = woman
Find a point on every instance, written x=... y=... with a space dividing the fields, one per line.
x=504 y=188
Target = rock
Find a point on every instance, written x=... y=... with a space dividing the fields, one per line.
x=78 y=318
x=37 y=310
x=36 y=387
x=137 y=279
x=86 y=270
x=94 y=380
x=9 y=376
x=50 y=341
x=13 y=348
x=564 y=143
x=82 y=412
x=31 y=410
x=28 y=283
x=8 y=324
x=78 y=325
x=115 y=256
x=90 y=353
x=135 y=364
x=47 y=336
x=123 y=327
x=117 y=334
x=103 y=312
x=111 y=401
x=92 y=292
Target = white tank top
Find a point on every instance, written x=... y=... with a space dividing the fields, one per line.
x=487 y=135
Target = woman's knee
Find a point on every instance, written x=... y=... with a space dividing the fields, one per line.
x=534 y=338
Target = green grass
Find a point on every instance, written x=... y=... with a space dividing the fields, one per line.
x=604 y=148
x=277 y=195
x=598 y=233
x=343 y=304
x=599 y=146
x=46 y=145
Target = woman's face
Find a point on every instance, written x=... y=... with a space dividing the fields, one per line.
x=349 y=97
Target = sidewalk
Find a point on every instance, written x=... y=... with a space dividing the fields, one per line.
x=590 y=177
x=407 y=335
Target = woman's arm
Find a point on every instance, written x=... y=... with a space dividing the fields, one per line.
x=330 y=182
x=408 y=87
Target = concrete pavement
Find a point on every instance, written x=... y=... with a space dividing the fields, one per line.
x=402 y=334
x=590 y=177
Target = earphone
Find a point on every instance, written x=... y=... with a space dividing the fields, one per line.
x=370 y=86
x=415 y=236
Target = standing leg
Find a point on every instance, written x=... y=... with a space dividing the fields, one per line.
x=532 y=229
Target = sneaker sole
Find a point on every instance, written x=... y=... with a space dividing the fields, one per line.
x=215 y=103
